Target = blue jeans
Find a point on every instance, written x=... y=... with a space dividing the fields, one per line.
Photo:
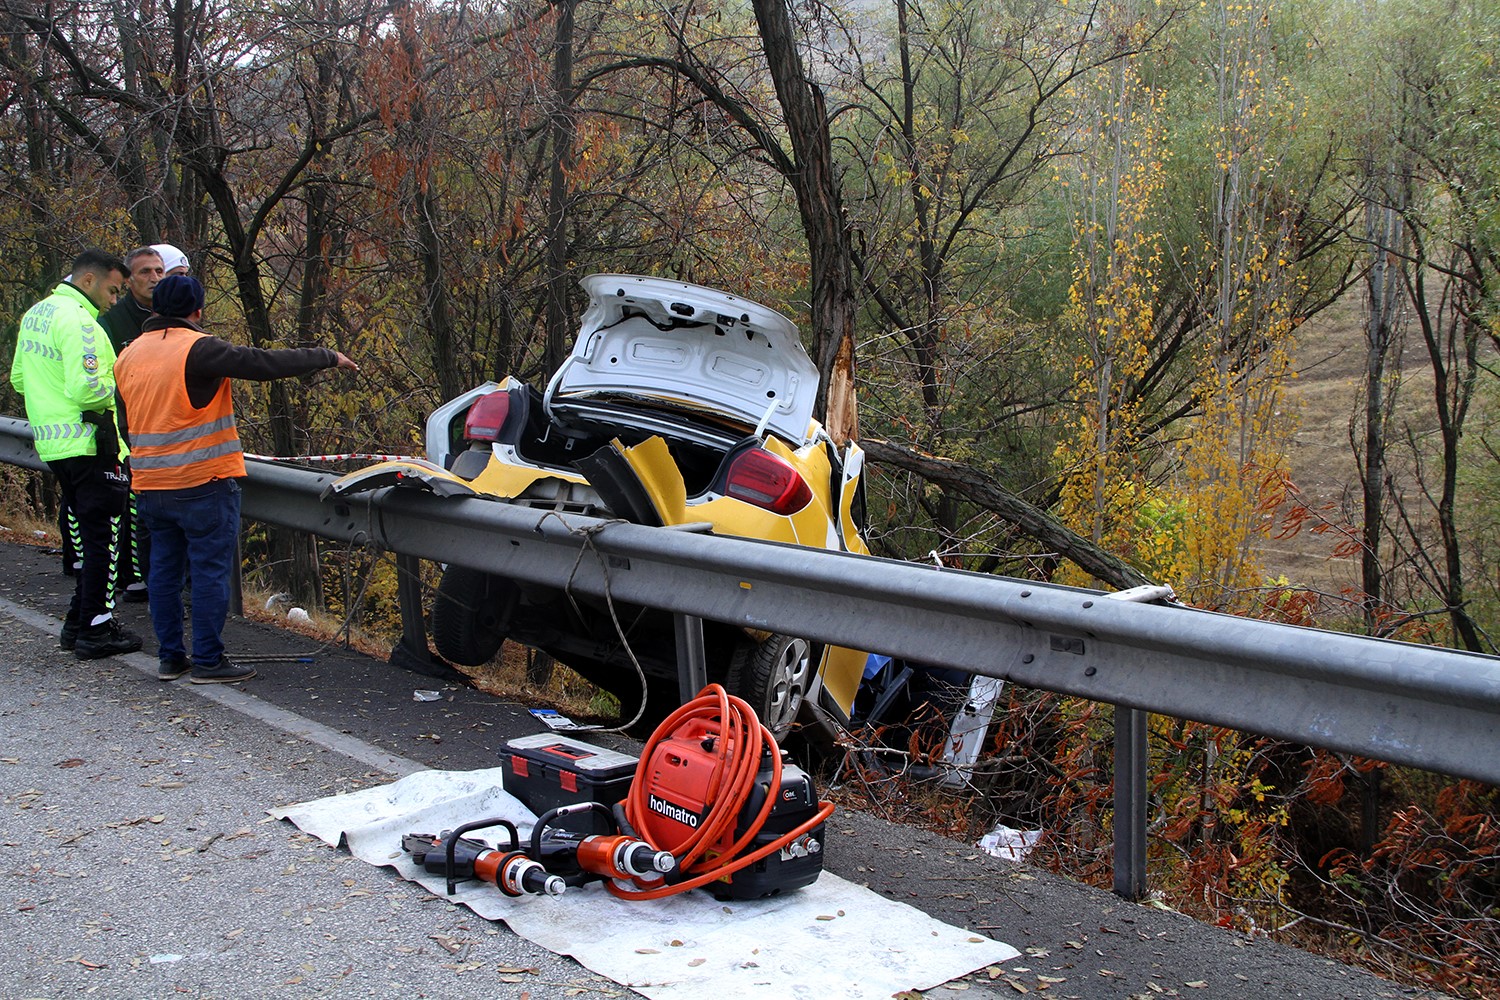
x=195 y=529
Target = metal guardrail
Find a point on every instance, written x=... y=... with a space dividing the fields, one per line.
x=1421 y=705
x=1424 y=706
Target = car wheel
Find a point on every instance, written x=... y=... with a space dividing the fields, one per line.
x=774 y=676
x=465 y=628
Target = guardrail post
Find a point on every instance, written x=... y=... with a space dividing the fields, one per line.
x=692 y=664
x=1130 y=802
x=1131 y=787
x=970 y=726
x=411 y=653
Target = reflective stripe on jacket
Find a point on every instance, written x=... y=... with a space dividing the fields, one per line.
x=64 y=365
x=173 y=445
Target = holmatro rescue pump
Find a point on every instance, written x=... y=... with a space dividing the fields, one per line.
x=711 y=803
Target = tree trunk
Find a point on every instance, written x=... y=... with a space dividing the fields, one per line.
x=436 y=307
x=818 y=201
x=1383 y=229
x=562 y=132
x=1452 y=339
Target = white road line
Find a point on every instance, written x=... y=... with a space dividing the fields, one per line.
x=246 y=704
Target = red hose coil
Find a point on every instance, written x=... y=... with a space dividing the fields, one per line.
x=742 y=741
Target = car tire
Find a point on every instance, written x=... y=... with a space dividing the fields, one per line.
x=464 y=626
x=774 y=676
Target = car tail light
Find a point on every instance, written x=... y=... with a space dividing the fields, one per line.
x=487 y=416
x=761 y=478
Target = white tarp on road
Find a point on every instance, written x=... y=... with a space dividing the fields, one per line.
x=830 y=939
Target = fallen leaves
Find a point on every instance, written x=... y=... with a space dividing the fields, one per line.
x=80 y=960
x=451 y=945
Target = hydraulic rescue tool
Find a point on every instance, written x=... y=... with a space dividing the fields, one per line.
x=712 y=804
x=455 y=857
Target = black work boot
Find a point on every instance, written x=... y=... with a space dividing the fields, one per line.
x=68 y=637
x=223 y=672
x=105 y=639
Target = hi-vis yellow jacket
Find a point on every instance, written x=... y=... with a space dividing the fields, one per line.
x=64 y=365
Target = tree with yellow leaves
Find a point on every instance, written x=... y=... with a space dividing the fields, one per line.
x=1188 y=510
x=1243 y=271
x=1111 y=309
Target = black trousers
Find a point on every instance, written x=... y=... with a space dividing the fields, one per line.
x=133 y=548
x=96 y=491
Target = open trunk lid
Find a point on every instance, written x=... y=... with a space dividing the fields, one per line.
x=678 y=346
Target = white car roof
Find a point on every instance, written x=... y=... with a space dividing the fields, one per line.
x=689 y=347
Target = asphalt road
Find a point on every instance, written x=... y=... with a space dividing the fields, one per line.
x=138 y=859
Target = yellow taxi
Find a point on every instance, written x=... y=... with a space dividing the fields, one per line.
x=679 y=404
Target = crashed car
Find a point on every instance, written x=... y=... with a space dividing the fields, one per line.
x=679 y=404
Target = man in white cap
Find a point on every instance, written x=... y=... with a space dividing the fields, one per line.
x=174 y=261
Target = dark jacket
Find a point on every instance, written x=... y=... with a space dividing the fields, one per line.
x=212 y=360
x=123 y=321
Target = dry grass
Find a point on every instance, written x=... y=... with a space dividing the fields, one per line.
x=22 y=526
x=324 y=628
x=1323 y=399
x=1326 y=399
x=509 y=675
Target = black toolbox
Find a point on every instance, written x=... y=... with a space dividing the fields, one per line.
x=546 y=770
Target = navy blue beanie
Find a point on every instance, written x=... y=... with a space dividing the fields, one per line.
x=177 y=296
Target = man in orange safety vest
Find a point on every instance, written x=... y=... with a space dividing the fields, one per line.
x=186 y=465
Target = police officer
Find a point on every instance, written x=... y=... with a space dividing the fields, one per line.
x=64 y=366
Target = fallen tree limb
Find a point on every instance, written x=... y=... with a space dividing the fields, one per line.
x=981 y=489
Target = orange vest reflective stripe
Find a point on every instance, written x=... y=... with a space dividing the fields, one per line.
x=172 y=445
